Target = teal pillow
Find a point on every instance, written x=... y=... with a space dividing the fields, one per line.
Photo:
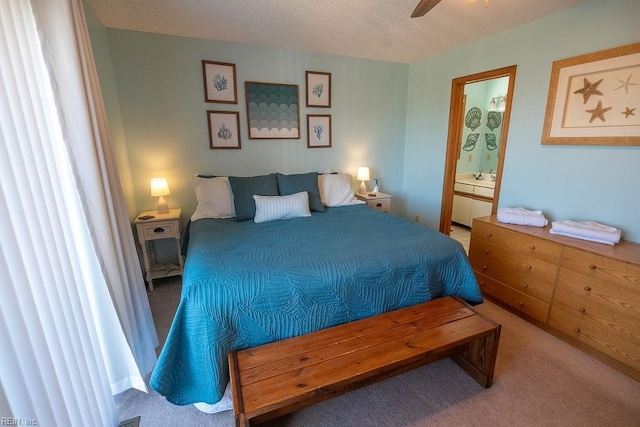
x=244 y=188
x=292 y=184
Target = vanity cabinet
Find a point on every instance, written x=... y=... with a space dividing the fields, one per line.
x=586 y=293
x=469 y=202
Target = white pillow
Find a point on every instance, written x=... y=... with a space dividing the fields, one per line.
x=215 y=198
x=336 y=190
x=272 y=208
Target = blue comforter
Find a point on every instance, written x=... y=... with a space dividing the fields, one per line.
x=248 y=284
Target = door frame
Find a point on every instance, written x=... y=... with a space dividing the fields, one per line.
x=454 y=138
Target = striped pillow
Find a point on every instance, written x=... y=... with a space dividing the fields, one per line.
x=273 y=208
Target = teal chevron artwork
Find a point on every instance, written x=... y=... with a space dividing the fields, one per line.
x=272 y=110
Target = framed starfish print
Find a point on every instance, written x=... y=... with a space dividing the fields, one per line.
x=594 y=99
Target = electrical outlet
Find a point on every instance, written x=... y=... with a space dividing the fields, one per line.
x=488 y=157
x=417 y=219
x=469 y=158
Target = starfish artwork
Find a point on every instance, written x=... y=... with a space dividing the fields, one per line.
x=589 y=89
x=598 y=112
x=629 y=112
x=626 y=83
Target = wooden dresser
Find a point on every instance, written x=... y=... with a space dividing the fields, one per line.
x=586 y=293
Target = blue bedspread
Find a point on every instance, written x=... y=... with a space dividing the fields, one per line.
x=247 y=284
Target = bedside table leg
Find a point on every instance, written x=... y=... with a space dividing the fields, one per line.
x=147 y=266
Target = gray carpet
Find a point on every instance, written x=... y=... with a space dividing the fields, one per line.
x=539 y=381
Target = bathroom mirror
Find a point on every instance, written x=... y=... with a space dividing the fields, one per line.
x=485 y=102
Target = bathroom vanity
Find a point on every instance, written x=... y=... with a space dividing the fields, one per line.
x=472 y=198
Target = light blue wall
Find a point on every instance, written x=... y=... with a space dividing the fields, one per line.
x=566 y=182
x=102 y=56
x=160 y=90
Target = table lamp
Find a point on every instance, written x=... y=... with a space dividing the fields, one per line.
x=160 y=188
x=363 y=175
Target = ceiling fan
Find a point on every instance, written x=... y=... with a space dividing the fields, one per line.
x=423 y=7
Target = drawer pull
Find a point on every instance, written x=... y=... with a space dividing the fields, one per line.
x=576 y=330
x=378 y=205
x=592 y=267
x=486 y=251
x=489 y=234
x=158 y=230
x=484 y=267
x=521 y=304
x=587 y=288
x=533 y=248
x=582 y=310
x=529 y=267
x=524 y=285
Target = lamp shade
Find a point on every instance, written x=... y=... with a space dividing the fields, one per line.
x=363 y=174
x=159 y=187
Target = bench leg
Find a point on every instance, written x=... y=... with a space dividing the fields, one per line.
x=479 y=358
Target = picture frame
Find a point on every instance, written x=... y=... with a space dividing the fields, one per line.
x=318 y=131
x=318 y=88
x=273 y=110
x=224 y=130
x=220 y=83
x=594 y=99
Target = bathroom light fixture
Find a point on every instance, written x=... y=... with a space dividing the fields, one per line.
x=363 y=175
x=160 y=188
x=498 y=103
x=503 y=103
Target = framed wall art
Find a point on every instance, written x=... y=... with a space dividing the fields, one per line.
x=594 y=99
x=219 y=82
x=272 y=110
x=318 y=130
x=224 y=129
x=318 y=86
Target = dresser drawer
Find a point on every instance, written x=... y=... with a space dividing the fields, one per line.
x=158 y=230
x=597 y=337
x=481 y=252
x=515 y=299
x=585 y=309
x=518 y=242
x=611 y=296
x=602 y=268
x=524 y=283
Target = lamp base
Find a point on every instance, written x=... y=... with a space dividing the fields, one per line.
x=363 y=188
x=163 y=207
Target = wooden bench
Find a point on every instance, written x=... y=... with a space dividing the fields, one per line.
x=281 y=377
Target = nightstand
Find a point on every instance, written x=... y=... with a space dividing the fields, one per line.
x=380 y=201
x=161 y=226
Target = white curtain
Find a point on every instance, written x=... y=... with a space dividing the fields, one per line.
x=75 y=323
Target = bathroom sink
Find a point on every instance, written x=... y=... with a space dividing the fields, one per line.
x=478 y=182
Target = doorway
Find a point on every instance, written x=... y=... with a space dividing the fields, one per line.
x=463 y=116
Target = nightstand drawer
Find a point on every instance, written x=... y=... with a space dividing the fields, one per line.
x=159 y=230
x=383 y=205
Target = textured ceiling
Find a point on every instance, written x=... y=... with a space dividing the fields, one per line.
x=374 y=29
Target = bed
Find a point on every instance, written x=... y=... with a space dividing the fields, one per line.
x=248 y=283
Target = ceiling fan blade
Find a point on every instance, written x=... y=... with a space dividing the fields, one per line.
x=423 y=7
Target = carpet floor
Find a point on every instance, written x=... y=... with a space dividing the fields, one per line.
x=539 y=381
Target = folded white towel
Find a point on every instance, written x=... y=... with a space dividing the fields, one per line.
x=522 y=216
x=587 y=230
